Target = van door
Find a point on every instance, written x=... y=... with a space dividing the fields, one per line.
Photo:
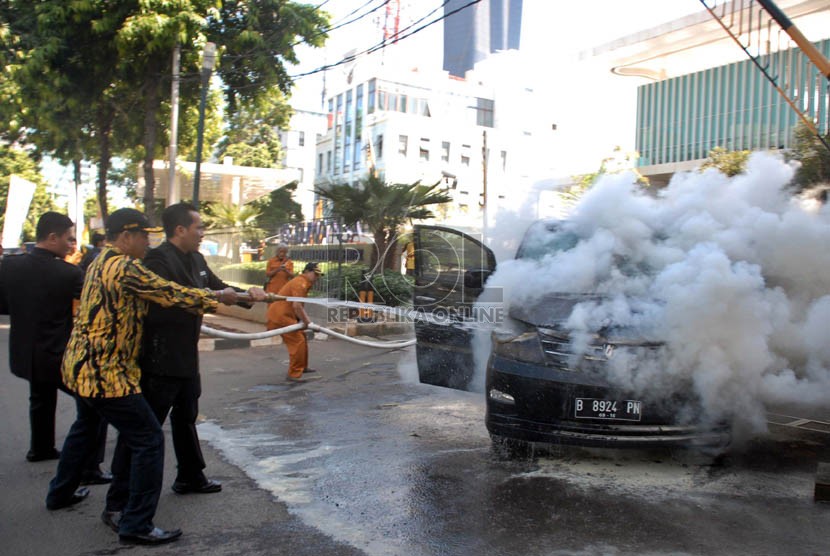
x=450 y=271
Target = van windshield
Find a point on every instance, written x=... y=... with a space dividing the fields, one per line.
x=546 y=238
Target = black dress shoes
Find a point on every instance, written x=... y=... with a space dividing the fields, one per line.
x=79 y=495
x=43 y=456
x=111 y=519
x=96 y=477
x=156 y=536
x=207 y=487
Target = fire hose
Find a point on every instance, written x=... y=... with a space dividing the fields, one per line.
x=270 y=297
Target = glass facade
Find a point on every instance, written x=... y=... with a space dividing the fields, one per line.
x=732 y=106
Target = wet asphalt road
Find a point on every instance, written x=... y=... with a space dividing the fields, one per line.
x=368 y=461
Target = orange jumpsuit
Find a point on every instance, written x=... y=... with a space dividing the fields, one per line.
x=275 y=284
x=285 y=316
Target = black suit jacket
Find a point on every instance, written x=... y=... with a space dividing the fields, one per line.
x=36 y=290
x=171 y=335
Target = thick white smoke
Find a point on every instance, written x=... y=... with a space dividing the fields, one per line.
x=731 y=275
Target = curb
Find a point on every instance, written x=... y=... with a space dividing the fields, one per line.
x=207 y=343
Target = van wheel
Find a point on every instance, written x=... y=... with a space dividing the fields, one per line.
x=510 y=448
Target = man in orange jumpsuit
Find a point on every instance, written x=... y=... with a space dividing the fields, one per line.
x=287 y=313
x=279 y=271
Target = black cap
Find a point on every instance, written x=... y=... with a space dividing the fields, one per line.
x=128 y=219
x=312 y=267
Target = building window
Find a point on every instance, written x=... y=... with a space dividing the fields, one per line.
x=356 y=155
x=465 y=155
x=302 y=139
x=319 y=163
x=347 y=154
x=358 y=113
x=403 y=142
x=328 y=162
x=370 y=97
x=423 y=149
x=445 y=151
x=338 y=115
x=330 y=118
x=349 y=115
x=379 y=147
x=484 y=112
x=503 y=161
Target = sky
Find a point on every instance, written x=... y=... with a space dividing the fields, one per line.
x=550 y=28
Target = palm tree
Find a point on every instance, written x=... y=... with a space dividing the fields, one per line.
x=238 y=220
x=383 y=208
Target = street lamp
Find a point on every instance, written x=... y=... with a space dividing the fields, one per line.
x=208 y=59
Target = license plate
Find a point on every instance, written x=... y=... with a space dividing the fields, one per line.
x=593 y=408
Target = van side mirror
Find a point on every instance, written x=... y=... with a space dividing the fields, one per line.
x=476 y=278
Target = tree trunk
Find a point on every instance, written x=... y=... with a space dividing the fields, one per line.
x=392 y=260
x=152 y=102
x=379 y=252
x=105 y=117
x=76 y=175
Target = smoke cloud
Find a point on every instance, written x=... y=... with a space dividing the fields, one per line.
x=729 y=277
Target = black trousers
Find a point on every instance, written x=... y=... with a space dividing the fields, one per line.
x=43 y=401
x=180 y=398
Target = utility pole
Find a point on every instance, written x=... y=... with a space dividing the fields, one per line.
x=484 y=183
x=208 y=59
x=172 y=184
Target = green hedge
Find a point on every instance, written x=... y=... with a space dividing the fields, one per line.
x=391 y=288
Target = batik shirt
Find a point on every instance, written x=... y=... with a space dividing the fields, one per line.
x=101 y=359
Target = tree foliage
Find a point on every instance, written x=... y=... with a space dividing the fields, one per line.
x=617 y=162
x=60 y=79
x=257 y=40
x=85 y=79
x=278 y=208
x=729 y=163
x=238 y=220
x=813 y=156
x=383 y=208
x=251 y=138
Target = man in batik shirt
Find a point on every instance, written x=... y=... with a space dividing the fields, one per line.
x=101 y=367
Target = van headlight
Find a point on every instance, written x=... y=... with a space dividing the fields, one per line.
x=524 y=347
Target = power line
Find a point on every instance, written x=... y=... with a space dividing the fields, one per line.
x=339 y=25
x=383 y=44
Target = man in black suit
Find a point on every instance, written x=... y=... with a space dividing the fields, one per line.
x=36 y=290
x=169 y=361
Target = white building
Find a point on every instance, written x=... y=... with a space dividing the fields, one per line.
x=299 y=145
x=424 y=125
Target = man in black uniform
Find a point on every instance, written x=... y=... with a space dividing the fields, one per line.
x=170 y=356
x=36 y=290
